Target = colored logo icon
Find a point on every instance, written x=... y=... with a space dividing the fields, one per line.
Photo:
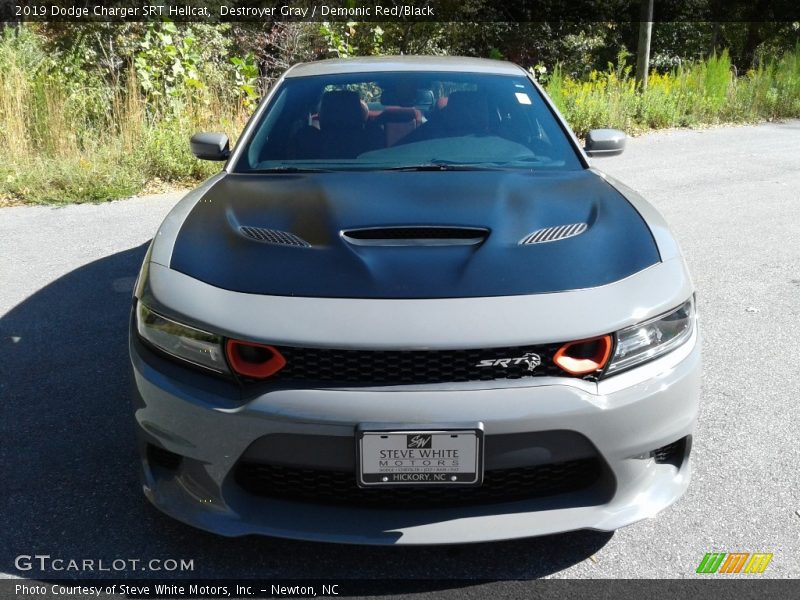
x=734 y=562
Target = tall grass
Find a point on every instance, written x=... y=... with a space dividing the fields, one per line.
x=703 y=92
x=68 y=144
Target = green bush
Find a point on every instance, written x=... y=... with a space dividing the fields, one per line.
x=704 y=92
x=164 y=153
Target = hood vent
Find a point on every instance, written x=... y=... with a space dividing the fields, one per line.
x=553 y=234
x=416 y=236
x=274 y=237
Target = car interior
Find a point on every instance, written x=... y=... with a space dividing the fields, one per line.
x=324 y=120
x=345 y=126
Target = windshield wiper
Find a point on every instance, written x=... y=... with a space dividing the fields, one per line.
x=287 y=169
x=443 y=166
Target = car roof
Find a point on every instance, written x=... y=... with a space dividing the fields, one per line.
x=374 y=64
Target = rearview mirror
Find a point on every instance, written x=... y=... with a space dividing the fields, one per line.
x=210 y=146
x=605 y=142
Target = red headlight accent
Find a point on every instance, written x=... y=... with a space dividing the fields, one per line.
x=584 y=356
x=254 y=360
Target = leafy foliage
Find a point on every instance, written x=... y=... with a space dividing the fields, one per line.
x=167 y=63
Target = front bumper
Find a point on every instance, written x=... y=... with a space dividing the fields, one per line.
x=211 y=427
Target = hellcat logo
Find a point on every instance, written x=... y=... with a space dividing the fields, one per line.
x=531 y=359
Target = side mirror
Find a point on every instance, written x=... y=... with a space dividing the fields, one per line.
x=605 y=142
x=210 y=146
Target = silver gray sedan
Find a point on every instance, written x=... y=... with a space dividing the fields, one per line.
x=408 y=310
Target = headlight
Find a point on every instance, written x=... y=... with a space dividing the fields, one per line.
x=184 y=342
x=653 y=338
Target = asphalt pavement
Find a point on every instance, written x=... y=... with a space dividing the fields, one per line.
x=70 y=488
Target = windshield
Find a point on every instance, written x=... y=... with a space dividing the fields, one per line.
x=407 y=121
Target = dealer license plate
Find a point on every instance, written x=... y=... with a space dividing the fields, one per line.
x=438 y=457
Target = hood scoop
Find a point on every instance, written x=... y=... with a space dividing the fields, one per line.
x=554 y=234
x=275 y=237
x=416 y=236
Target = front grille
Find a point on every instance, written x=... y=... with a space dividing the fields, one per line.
x=339 y=487
x=402 y=367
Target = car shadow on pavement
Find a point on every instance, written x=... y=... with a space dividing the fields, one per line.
x=70 y=475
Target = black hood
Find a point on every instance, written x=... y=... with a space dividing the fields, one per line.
x=498 y=209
